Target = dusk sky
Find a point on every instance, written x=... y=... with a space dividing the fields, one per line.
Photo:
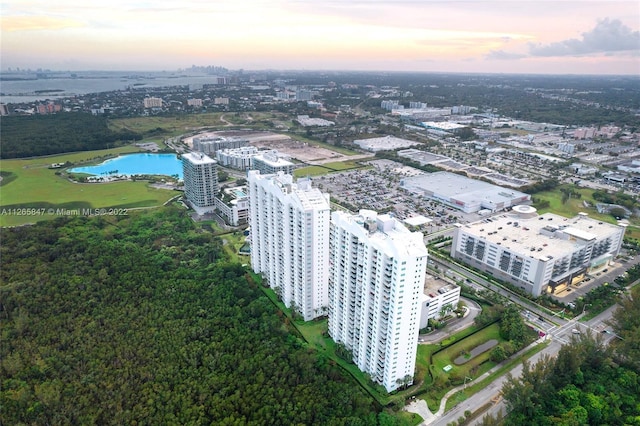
x=510 y=36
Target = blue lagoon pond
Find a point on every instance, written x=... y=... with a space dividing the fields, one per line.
x=136 y=164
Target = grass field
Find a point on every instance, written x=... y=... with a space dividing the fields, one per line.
x=573 y=206
x=446 y=356
x=31 y=184
x=328 y=168
x=311 y=171
x=345 y=165
x=170 y=126
x=174 y=126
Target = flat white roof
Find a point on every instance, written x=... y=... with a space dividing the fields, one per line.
x=540 y=236
x=198 y=158
x=273 y=160
x=442 y=125
x=417 y=220
x=384 y=143
x=457 y=187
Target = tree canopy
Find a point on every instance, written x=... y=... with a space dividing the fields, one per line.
x=583 y=385
x=142 y=320
x=27 y=136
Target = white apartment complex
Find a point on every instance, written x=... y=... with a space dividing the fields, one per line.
x=237 y=158
x=200 y=175
x=537 y=253
x=375 y=287
x=233 y=205
x=152 y=102
x=211 y=144
x=290 y=239
x=438 y=301
x=271 y=162
x=268 y=161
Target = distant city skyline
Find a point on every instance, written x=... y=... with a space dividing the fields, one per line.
x=533 y=37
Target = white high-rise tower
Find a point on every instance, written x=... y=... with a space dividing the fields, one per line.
x=200 y=175
x=290 y=239
x=375 y=287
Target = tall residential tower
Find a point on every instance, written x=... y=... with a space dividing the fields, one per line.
x=200 y=174
x=375 y=290
x=290 y=239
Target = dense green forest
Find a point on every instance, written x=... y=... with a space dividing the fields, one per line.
x=142 y=320
x=582 y=386
x=35 y=135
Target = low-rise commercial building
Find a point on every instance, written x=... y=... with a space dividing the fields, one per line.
x=463 y=193
x=537 y=253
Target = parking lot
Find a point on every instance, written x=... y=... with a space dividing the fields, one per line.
x=379 y=189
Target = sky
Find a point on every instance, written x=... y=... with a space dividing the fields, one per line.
x=508 y=36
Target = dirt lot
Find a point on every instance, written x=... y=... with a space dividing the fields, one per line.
x=301 y=151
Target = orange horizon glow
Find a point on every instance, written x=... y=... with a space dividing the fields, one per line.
x=486 y=36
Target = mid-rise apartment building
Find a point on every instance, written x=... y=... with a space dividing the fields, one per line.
x=289 y=224
x=233 y=205
x=377 y=273
x=152 y=102
x=537 y=253
x=268 y=162
x=438 y=300
x=200 y=175
x=212 y=144
x=271 y=162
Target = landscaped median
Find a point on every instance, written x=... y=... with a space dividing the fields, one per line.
x=500 y=370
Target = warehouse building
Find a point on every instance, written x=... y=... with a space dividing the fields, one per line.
x=463 y=193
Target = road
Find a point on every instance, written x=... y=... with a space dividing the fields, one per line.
x=473 y=310
x=613 y=271
x=460 y=272
x=557 y=337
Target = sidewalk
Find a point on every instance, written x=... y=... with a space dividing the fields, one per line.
x=416 y=407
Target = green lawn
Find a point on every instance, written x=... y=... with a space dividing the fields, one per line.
x=573 y=206
x=328 y=168
x=447 y=356
x=345 y=165
x=31 y=184
x=505 y=367
x=311 y=171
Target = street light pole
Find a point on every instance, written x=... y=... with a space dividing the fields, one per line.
x=465 y=381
